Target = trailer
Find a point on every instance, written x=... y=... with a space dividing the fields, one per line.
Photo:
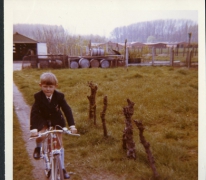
x=95 y=59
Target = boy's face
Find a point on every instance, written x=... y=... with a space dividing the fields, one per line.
x=47 y=89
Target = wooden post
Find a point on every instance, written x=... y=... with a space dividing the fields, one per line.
x=127 y=56
x=177 y=51
x=63 y=61
x=183 y=51
x=127 y=138
x=193 y=49
x=171 y=56
x=92 y=102
x=69 y=62
x=125 y=53
x=189 y=58
x=89 y=47
x=102 y=115
x=147 y=148
x=188 y=51
x=153 y=55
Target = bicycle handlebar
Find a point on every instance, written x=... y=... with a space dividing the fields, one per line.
x=54 y=131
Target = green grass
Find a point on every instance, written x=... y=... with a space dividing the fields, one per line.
x=180 y=58
x=22 y=167
x=166 y=100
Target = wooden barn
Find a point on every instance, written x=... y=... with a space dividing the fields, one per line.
x=21 y=46
x=110 y=46
x=157 y=46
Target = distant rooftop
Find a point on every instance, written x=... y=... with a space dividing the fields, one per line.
x=19 y=38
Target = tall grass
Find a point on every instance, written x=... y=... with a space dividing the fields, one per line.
x=22 y=167
x=165 y=100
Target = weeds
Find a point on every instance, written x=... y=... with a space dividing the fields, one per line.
x=166 y=101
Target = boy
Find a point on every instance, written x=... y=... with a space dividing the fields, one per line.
x=46 y=109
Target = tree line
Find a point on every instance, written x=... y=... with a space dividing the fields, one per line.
x=170 y=30
x=60 y=40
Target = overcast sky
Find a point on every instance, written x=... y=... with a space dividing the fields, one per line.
x=100 y=16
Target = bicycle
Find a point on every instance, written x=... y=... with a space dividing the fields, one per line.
x=51 y=154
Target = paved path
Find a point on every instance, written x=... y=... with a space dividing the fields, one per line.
x=23 y=114
x=17 y=65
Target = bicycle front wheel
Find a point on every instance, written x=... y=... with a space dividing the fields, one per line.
x=56 y=170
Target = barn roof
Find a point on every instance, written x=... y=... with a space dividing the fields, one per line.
x=154 y=44
x=137 y=44
x=19 y=38
x=109 y=43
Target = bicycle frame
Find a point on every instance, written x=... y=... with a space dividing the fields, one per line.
x=51 y=154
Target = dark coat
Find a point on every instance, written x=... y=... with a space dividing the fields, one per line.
x=42 y=111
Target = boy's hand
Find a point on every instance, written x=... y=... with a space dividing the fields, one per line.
x=65 y=128
x=73 y=129
x=33 y=132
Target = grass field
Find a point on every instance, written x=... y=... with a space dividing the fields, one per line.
x=166 y=101
x=22 y=168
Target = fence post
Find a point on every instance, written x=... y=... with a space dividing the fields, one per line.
x=189 y=58
x=153 y=55
x=127 y=57
x=126 y=52
x=127 y=138
x=68 y=62
x=177 y=51
x=183 y=51
x=171 y=56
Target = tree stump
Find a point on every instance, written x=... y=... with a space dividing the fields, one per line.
x=92 y=102
x=102 y=115
x=128 y=142
x=147 y=148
